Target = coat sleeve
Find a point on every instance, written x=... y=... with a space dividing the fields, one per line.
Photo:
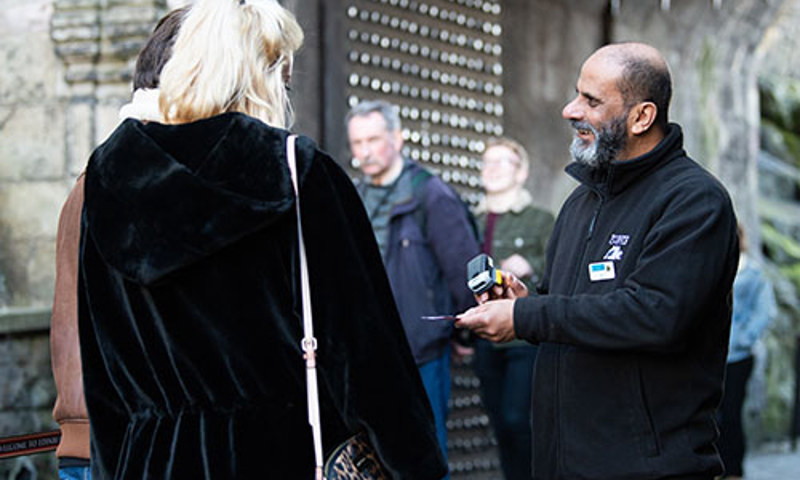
x=363 y=351
x=70 y=407
x=452 y=239
x=684 y=272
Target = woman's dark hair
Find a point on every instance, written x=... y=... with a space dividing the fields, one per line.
x=157 y=50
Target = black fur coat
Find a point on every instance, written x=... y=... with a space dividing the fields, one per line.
x=190 y=311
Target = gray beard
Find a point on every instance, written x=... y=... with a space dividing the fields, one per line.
x=609 y=141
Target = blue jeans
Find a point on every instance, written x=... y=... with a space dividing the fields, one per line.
x=506 y=374
x=436 y=379
x=75 y=473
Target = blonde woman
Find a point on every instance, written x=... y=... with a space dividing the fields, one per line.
x=190 y=303
x=515 y=234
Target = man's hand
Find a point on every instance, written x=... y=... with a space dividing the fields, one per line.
x=511 y=289
x=493 y=320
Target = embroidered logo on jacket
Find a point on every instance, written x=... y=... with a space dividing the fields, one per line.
x=616 y=241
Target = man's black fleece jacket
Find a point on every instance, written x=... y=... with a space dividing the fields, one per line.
x=631 y=357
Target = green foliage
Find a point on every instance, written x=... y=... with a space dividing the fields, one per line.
x=710 y=120
x=780 y=102
x=780 y=339
x=792 y=272
x=781 y=143
x=780 y=136
x=779 y=245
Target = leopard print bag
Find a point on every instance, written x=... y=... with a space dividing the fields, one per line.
x=355 y=459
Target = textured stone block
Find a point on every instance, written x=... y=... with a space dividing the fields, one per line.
x=30 y=209
x=132 y=3
x=79 y=139
x=77 y=52
x=76 y=4
x=30 y=265
x=130 y=14
x=67 y=19
x=40 y=269
x=107 y=119
x=114 y=94
x=25 y=17
x=77 y=33
x=32 y=142
x=31 y=71
x=139 y=31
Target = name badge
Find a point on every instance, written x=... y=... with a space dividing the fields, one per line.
x=601 y=271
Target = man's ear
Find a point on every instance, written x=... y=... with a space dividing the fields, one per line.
x=642 y=117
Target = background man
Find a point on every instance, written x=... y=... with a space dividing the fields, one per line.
x=633 y=319
x=425 y=236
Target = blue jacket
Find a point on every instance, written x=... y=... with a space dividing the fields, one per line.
x=753 y=308
x=430 y=242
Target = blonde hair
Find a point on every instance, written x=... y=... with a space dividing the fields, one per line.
x=231 y=56
x=512 y=145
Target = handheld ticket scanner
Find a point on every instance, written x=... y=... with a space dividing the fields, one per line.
x=482 y=275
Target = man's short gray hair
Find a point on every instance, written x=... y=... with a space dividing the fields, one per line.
x=388 y=111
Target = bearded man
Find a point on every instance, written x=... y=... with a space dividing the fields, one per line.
x=633 y=311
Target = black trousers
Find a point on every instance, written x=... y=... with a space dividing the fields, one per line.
x=505 y=375
x=732 y=442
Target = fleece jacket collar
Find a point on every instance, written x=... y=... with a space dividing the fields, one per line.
x=619 y=175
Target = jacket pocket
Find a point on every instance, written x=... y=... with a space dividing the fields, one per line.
x=604 y=424
x=648 y=436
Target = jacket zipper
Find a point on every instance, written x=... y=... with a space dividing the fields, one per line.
x=589 y=234
x=593 y=221
x=576 y=277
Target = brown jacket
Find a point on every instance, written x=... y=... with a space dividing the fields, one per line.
x=70 y=408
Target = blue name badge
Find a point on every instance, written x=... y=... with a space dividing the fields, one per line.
x=601 y=271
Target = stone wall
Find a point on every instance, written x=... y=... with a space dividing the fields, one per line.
x=32 y=170
x=776 y=386
x=543 y=48
x=27 y=394
x=68 y=66
x=711 y=50
x=67 y=69
x=715 y=65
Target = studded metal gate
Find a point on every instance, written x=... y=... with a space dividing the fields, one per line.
x=439 y=61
